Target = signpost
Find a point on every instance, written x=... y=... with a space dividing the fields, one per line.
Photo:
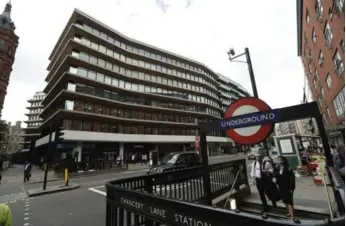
x=249 y=120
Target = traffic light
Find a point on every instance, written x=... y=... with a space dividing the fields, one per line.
x=60 y=133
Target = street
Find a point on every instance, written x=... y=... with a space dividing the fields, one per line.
x=84 y=206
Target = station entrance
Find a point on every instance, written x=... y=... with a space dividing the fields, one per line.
x=189 y=196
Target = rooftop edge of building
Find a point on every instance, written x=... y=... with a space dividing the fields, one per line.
x=78 y=13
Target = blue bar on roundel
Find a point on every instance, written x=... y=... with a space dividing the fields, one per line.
x=252 y=119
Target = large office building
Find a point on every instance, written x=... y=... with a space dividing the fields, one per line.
x=321 y=45
x=229 y=91
x=34 y=121
x=115 y=96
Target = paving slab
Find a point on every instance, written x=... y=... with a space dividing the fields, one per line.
x=53 y=189
x=307 y=196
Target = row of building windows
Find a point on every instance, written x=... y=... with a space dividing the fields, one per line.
x=141 y=75
x=36 y=104
x=139 y=87
x=231 y=89
x=127 y=113
x=35 y=111
x=138 y=100
x=155 y=56
x=34 y=118
x=141 y=63
x=125 y=129
x=34 y=124
x=39 y=97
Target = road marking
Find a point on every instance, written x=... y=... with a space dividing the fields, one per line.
x=101 y=186
x=25 y=224
x=25 y=214
x=97 y=191
x=26 y=218
x=135 y=171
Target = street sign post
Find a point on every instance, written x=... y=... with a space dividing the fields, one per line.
x=249 y=120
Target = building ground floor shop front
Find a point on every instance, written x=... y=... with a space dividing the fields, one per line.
x=102 y=151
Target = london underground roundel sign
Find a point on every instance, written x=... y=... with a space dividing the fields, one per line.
x=248 y=130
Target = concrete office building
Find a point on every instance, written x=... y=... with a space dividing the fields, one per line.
x=321 y=45
x=116 y=96
x=34 y=121
x=229 y=91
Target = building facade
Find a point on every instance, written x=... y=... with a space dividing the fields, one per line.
x=34 y=121
x=8 y=46
x=229 y=91
x=15 y=138
x=321 y=45
x=115 y=96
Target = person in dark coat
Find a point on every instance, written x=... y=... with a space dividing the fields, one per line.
x=262 y=172
x=27 y=171
x=285 y=180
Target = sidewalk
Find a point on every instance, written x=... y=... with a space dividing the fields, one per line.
x=307 y=196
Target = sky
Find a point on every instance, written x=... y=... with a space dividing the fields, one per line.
x=203 y=30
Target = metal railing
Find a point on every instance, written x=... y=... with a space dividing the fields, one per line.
x=178 y=197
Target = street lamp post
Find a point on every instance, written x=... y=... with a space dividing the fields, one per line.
x=232 y=57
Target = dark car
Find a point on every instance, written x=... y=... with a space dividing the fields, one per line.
x=176 y=161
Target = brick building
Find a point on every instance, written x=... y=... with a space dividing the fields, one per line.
x=8 y=46
x=321 y=45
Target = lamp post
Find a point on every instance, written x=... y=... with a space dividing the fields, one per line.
x=232 y=57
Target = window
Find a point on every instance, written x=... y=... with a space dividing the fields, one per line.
x=314 y=35
x=338 y=63
x=88 y=107
x=328 y=113
x=319 y=9
x=342 y=45
x=75 y=53
x=320 y=58
x=1 y=44
x=328 y=35
x=87 y=126
x=329 y=81
x=71 y=87
x=340 y=5
x=322 y=93
x=339 y=103
x=69 y=105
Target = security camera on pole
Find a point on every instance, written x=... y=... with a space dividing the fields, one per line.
x=231 y=56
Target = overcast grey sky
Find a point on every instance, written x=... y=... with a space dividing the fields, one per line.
x=199 y=29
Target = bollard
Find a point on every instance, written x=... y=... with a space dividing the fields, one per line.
x=66 y=176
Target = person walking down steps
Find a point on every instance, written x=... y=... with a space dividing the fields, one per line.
x=27 y=172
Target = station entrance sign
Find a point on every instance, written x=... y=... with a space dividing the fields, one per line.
x=249 y=120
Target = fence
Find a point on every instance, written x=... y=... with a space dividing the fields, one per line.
x=178 y=197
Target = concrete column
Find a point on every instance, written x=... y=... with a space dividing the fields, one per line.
x=121 y=150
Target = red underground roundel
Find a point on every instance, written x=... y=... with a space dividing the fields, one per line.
x=250 y=134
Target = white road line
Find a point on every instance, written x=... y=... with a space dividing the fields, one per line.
x=101 y=186
x=26 y=218
x=25 y=224
x=97 y=191
x=134 y=171
x=27 y=209
x=25 y=214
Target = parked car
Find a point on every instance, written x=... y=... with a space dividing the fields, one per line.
x=177 y=160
